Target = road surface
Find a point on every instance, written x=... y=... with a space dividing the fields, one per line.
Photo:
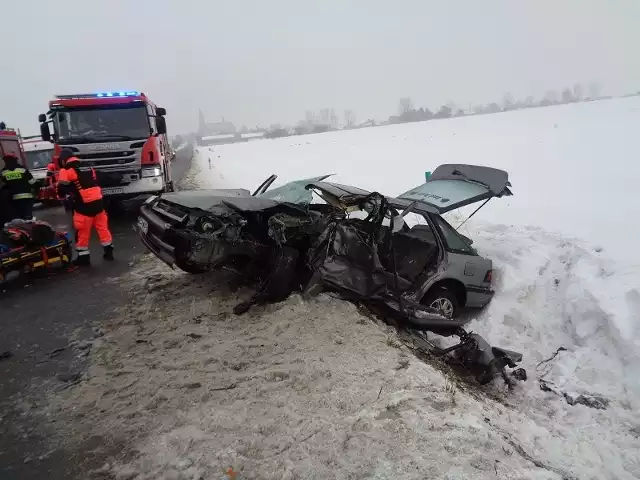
x=37 y=322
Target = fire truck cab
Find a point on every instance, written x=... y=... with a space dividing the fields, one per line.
x=38 y=155
x=10 y=144
x=121 y=135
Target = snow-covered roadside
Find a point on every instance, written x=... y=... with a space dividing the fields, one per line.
x=295 y=390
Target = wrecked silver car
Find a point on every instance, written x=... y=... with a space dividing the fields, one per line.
x=418 y=274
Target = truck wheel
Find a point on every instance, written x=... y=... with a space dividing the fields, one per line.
x=189 y=267
x=442 y=300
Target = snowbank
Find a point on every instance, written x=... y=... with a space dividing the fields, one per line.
x=316 y=390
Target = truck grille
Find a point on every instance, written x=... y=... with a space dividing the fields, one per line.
x=109 y=161
x=126 y=153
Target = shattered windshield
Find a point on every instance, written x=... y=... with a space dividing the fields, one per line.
x=39 y=159
x=443 y=193
x=293 y=192
x=113 y=122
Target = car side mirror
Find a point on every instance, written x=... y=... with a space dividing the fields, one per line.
x=44 y=132
x=42 y=118
x=161 y=111
x=161 y=125
x=397 y=223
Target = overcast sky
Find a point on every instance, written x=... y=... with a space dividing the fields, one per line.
x=261 y=62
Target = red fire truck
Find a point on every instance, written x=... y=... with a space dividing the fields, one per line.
x=10 y=143
x=122 y=135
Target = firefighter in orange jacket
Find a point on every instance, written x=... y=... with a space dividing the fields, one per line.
x=87 y=204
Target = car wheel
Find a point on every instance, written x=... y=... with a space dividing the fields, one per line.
x=443 y=301
x=190 y=267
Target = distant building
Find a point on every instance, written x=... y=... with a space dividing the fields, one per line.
x=217 y=128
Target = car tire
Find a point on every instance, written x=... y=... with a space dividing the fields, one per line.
x=443 y=300
x=190 y=267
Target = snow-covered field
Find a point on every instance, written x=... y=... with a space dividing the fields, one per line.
x=316 y=390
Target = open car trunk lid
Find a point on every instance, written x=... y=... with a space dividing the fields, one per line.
x=454 y=186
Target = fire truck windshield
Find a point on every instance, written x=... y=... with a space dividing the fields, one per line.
x=101 y=123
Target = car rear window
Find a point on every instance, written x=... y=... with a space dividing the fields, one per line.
x=453 y=239
x=442 y=193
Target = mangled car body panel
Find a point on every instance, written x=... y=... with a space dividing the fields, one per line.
x=208 y=229
x=427 y=254
x=395 y=266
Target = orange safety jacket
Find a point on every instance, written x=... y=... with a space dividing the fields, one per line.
x=83 y=187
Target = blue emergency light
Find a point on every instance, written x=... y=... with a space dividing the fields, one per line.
x=118 y=94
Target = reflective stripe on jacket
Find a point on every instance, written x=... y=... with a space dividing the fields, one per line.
x=19 y=182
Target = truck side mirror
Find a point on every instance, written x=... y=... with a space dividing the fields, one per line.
x=161 y=125
x=44 y=132
x=161 y=111
x=42 y=118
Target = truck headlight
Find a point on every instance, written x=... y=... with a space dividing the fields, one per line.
x=151 y=172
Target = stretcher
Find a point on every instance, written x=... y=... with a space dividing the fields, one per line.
x=30 y=246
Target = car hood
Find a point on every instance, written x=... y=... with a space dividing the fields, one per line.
x=454 y=186
x=210 y=200
x=291 y=194
x=204 y=199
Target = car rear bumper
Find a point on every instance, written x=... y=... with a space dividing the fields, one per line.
x=478 y=296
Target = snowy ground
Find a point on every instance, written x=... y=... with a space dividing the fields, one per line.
x=316 y=390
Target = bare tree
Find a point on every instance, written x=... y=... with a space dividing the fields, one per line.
x=492 y=107
x=310 y=117
x=595 y=90
x=349 y=118
x=550 y=98
x=334 y=118
x=507 y=102
x=567 y=95
x=577 y=92
x=406 y=105
x=325 y=116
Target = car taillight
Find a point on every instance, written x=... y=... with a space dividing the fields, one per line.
x=150 y=157
x=487 y=277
